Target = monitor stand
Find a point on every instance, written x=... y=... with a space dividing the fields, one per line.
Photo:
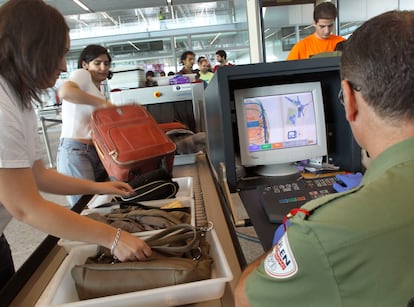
x=276 y=170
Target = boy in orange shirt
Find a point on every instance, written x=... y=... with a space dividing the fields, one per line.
x=321 y=40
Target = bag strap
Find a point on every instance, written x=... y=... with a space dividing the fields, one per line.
x=131 y=216
x=163 y=240
x=153 y=186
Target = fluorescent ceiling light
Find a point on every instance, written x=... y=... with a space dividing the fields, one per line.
x=215 y=38
x=105 y=14
x=78 y=2
x=133 y=45
x=141 y=14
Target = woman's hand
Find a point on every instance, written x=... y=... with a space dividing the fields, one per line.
x=114 y=187
x=106 y=104
x=131 y=248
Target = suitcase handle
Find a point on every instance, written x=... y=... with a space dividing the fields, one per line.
x=112 y=153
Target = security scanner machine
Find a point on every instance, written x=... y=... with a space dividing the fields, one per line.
x=167 y=103
x=260 y=118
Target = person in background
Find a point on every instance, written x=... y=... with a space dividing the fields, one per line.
x=162 y=19
x=162 y=73
x=171 y=73
x=221 y=58
x=200 y=58
x=81 y=94
x=204 y=72
x=322 y=40
x=149 y=79
x=337 y=52
x=187 y=59
x=351 y=248
x=45 y=37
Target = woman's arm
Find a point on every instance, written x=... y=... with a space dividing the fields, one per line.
x=19 y=195
x=50 y=181
x=70 y=91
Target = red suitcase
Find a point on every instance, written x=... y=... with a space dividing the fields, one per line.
x=130 y=142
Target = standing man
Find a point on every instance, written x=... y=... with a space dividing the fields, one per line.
x=322 y=40
x=187 y=59
x=354 y=248
x=221 y=57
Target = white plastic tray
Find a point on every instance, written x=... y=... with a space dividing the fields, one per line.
x=185 y=159
x=185 y=202
x=185 y=191
x=61 y=290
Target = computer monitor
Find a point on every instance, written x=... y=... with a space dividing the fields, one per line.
x=279 y=125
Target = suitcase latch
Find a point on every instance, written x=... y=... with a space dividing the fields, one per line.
x=114 y=154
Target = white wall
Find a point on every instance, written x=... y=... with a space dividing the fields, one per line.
x=301 y=14
x=406 y=5
x=359 y=10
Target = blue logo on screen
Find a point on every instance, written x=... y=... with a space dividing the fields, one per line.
x=292 y=135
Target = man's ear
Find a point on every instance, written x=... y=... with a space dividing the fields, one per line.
x=350 y=104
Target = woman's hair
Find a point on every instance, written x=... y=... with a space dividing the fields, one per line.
x=33 y=42
x=91 y=52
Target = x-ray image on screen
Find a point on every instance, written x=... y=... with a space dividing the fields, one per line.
x=279 y=125
x=280 y=121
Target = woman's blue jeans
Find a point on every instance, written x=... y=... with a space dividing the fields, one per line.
x=79 y=160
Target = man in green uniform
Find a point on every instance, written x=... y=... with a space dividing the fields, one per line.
x=355 y=248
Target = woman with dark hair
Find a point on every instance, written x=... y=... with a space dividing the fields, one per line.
x=81 y=95
x=32 y=56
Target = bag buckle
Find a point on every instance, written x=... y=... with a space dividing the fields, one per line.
x=196 y=253
x=208 y=227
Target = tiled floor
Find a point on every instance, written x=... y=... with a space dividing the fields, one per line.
x=24 y=239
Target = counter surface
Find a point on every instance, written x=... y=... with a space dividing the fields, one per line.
x=30 y=281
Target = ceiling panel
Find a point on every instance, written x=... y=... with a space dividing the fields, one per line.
x=68 y=7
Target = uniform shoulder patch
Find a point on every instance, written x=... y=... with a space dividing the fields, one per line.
x=280 y=262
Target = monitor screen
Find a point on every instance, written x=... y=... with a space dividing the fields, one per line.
x=279 y=125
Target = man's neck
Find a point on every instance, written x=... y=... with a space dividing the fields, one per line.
x=389 y=137
x=321 y=38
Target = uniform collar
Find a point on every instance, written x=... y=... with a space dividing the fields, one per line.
x=397 y=154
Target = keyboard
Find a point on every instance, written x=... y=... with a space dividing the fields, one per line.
x=279 y=199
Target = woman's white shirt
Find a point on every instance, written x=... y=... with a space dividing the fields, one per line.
x=76 y=117
x=20 y=144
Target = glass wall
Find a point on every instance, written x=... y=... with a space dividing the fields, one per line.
x=159 y=35
x=284 y=25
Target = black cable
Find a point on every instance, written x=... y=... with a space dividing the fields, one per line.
x=247 y=237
